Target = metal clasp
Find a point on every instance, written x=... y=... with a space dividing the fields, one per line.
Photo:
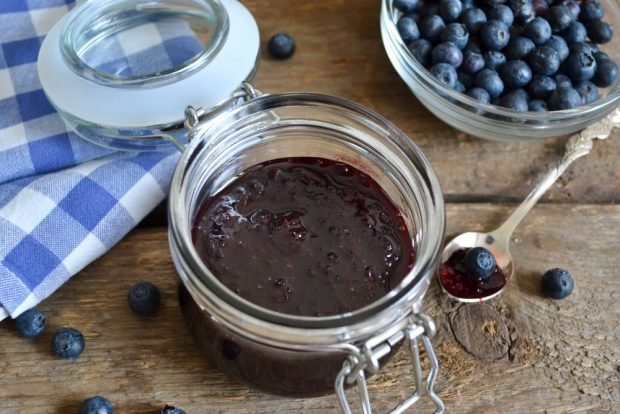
x=416 y=327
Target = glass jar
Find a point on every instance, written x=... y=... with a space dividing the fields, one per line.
x=228 y=127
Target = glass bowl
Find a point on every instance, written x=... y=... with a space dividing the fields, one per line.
x=489 y=121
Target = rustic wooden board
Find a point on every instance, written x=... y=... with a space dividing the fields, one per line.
x=339 y=52
x=563 y=356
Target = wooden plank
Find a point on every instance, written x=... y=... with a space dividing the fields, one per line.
x=563 y=355
x=340 y=52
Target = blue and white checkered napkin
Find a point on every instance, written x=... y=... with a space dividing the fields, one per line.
x=63 y=201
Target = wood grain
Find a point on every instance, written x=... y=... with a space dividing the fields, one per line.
x=563 y=356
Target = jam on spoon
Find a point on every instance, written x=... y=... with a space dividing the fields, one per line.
x=304 y=236
x=460 y=281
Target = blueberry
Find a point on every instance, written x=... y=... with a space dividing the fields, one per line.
x=429 y=8
x=96 y=405
x=523 y=10
x=562 y=81
x=559 y=17
x=584 y=47
x=168 y=409
x=431 y=28
x=572 y=5
x=501 y=13
x=600 y=56
x=144 y=298
x=516 y=30
x=494 y=34
x=479 y=94
x=564 y=98
x=494 y=59
x=575 y=32
x=473 y=19
x=472 y=46
x=520 y=92
x=599 y=31
x=68 y=343
x=489 y=4
x=459 y=87
x=540 y=6
x=421 y=51
x=544 y=61
x=558 y=44
x=580 y=66
x=514 y=101
x=539 y=30
x=472 y=62
x=593 y=46
x=541 y=87
x=31 y=323
x=407 y=6
x=281 y=46
x=606 y=72
x=490 y=81
x=479 y=263
x=445 y=73
x=537 y=105
x=450 y=10
x=465 y=79
x=447 y=53
x=588 y=91
x=516 y=74
x=557 y=283
x=468 y=4
x=519 y=47
x=591 y=10
x=408 y=29
x=455 y=33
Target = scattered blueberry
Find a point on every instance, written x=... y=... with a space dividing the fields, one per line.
x=472 y=62
x=144 y=298
x=588 y=91
x=421 y=51
x=281 y=46
x=544 y=61
x=408 y=29
x=515 y=101
x=450 y=10
x=494 y=34
x=606 y=72
x=599 y=31
x=564 y=98
x=591 y=10
x=431 y=28
x=539 y=30
x=479 y=94
x=473 y=19
x=519 y=47
x=479 y=263
x=516 y=74
x=501 y=13
x=445 y=73
x=575 y=32
x=68 y=343
x=407 y=6
x=559 y=45
x=168 y=409
x=96 y=405
x=490 y=81
x=537 y=105
x=557 y=283
x=580 y=66
x=541 y=87
x=559 y=17
x=494 y=59
x=456 y=33
x=31 y=323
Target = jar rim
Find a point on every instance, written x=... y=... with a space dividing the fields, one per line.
x=396 y=303
x=100 y=17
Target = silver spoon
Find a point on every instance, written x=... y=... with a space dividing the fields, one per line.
x=498 y=241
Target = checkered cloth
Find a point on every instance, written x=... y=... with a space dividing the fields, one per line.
x=63 y=201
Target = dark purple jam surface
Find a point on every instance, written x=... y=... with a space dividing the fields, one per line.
x=457 y=282
x=304 y=236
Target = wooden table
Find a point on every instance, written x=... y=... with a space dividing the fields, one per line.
x=521 y=353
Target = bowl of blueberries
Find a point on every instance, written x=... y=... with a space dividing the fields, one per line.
x=508 y=69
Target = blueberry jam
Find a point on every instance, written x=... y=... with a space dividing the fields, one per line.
x=457 y=282
x=304 y=236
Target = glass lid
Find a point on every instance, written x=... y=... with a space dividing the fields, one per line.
x=135 y=65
